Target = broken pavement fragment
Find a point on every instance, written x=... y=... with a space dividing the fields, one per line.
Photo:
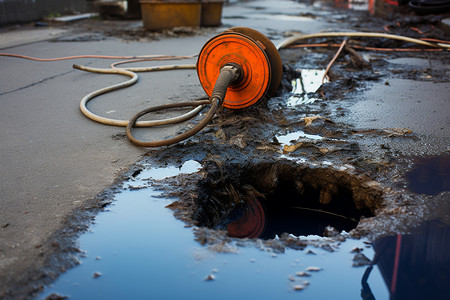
x=313 y=269
x=210 y=277
x=299 y=287
x=360 y=260
x=302 y=274
x=397 y=131
x=310 y=120
x=291 y=148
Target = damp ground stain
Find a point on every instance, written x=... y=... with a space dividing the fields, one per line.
x=430 y=175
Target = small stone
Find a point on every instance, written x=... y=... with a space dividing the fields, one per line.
x=252 y=260
x=56 y=296
x=356 y=250
x=214 y=270
x=327 y=247
x=330 y=231
x=360 y=260
x=97 y=274
x=291 y=278
x=313 y=269
x=298 y=287
x=210 y=277
x=98 y=258
x=305 y=283
x=302 y=274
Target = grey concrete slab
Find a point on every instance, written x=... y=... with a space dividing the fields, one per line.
x=53 y=159
x=21 y=37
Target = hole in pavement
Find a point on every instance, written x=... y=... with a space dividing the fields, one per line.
x=269 y=199
x=301 y=212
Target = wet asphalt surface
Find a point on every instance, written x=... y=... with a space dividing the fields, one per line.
x=57 y=165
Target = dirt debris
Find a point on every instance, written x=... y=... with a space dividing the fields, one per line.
x=245 y=157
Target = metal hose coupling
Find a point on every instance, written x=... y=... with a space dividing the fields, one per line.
x=229 y=74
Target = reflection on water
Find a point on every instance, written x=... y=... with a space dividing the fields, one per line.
x=268 y=219
x=301 y=221
x=415 y=266
x=246 y=221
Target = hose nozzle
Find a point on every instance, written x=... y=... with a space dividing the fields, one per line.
x=229 y=74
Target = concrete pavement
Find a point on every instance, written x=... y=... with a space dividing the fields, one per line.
x=53 y=159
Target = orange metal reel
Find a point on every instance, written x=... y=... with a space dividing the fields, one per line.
x=240 y=49
x=272 y=53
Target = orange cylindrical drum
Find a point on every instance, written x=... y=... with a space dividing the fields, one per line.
x=256 y=78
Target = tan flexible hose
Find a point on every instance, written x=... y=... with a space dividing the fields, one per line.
x=228 y=74
x=296 y=38
x=180 y=137
x=133 y=79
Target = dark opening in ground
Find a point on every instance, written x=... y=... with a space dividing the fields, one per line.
x=268 y=199
x=301 y=213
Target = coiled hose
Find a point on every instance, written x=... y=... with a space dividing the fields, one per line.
x=133 y=79
x=296 y=38
x=228 y=74
x=226 y=77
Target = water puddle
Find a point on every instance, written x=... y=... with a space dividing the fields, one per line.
x=190 y=166
x=137 y=249
x=280 y=17
x=293 y=137
x=302 y=216
x=310 y=81
x=430 y=175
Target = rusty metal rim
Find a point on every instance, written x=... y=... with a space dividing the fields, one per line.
x=252 y=223
x=271 y=52
x=211 y=50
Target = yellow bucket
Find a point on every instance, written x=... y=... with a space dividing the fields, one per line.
x=157 y=15
x=211 y=12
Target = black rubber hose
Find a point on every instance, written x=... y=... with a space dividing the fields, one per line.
x=227 y=76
